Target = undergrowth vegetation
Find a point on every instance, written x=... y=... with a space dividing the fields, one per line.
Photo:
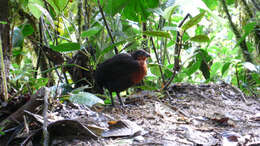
x=189 y=41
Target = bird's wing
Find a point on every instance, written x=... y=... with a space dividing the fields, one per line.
x=121 y=65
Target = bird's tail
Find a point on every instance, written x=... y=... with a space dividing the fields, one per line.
x=98 y=84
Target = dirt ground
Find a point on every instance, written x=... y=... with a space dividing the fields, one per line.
x=206 y=114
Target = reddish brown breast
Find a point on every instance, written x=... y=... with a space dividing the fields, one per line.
x=138 y=76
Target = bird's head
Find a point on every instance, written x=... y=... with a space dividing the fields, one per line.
x=140 y=55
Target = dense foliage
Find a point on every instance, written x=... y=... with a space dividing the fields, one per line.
x=208 y=45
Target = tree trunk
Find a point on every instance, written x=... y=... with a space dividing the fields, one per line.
x=5 y=38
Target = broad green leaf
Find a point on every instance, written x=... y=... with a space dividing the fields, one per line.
x=33 y=7
x=204 y=68
x=256 y=77
x=85 y=98
x=27 y=30
x=60 y=4
x=17 y=38
x=250 y=66
x=200 y=38
x=206 y=60
x=130 y=9
x=177 y=18
x=109 y=48
x=157 y=33
x=53 y=5
x=193 y=21
x=66 y=47
x=230 y=2
x=155 y=69
x=199 y=30
x=3 y=22
x=115 y=6
x=193 y=68
x=38 y=83
x=214 y=68
x=46 y=13
x=90 y=32
x=167 y=13
x=211 y=4
x=225 y=68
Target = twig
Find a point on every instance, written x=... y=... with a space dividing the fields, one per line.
x=144 y=42
x=79 y=19
x=238 y=83
x=108 y=30
x=38 y=63
x=40 y=50
x=45 y=118
x=26 y=127
x=157 y=58
x=177 y=53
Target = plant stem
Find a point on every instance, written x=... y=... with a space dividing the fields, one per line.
x=108 y=30
x=3 y=72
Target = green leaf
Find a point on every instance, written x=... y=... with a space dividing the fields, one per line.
x=157 y=33
x=131 y=9
x=115 y=6
x=66 y=47
x=214 y=68
x=46 y=13
x=247 y=28
x=206 y=60
x=193 y=21
x=204 y=68
x=199 y=30
x=3 y=22
x=53 y=5
x=200 y=38
x=38 y=83
x=60 y=4
x=33 y=7
x=17 y=38
x=27 y=30
x=193 y=68
x=230 y=2
x=167 y=13
x=85 y=98
x=109 y=48
x=225 y=68
x=211 y=4
x=154 y=68
x=90 y=32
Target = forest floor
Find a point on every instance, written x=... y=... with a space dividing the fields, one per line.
x=206 y=114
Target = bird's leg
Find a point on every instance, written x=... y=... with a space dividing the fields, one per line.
x=112 y=100
x=119 y=98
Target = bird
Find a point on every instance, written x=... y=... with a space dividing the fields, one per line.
x=121 y=72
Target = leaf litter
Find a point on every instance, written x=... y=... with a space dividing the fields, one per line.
x=186 y=114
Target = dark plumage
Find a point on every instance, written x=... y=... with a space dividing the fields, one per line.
x=121 y=72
